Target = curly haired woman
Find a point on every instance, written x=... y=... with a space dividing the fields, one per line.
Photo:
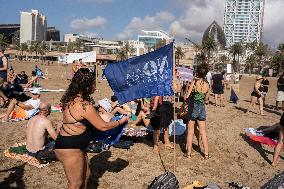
x=79 y=118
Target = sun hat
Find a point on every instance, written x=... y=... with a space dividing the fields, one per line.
x=259 y=77
x=35 y=91
x=105 y=104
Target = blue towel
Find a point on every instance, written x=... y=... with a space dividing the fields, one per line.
x=234 y=98
x=110 y=137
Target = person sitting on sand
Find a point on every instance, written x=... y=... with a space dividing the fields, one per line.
x=12 y=76
x=142 y=115
x=279 y=146
x=257 y=95
x=120 y=109
x=37 y=129
x=104 y=109
x=33 y=82
x=21 y=78
x=23 y=110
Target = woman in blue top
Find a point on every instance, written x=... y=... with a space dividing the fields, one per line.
x=199 y=95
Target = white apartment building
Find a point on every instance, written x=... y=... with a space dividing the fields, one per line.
x=138 y=46
x=70 y=37
x=33 y=26
x=243 y=21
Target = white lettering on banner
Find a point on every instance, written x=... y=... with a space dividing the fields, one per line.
x=152 y=71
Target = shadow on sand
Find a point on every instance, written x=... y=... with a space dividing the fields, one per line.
x=16 y=176
x=258 y=147
x=99 y=164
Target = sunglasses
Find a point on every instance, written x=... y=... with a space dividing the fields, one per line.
x=34 y=94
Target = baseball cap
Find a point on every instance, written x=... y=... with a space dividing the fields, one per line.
x=35 y=91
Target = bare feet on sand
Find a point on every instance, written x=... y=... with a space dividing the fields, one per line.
x=156 y=149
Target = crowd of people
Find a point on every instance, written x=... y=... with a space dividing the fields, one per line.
x=81 y=116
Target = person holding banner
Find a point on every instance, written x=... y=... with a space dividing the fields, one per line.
x=79 y=119
x=199 y=96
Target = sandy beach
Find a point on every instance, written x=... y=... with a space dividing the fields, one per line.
x=234 y=156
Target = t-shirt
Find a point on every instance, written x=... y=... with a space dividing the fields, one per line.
x=209 y=77
x=217 y=79
x=280 y=84
x=35 y=104
x=265 y=84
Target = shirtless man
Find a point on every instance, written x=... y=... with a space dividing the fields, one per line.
x=37 y=129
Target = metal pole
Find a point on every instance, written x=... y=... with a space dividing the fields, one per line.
x=174 y=65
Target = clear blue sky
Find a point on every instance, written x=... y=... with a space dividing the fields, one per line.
x=124 y=19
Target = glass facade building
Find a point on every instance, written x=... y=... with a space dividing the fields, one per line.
x=243 y=21
x=152 y=38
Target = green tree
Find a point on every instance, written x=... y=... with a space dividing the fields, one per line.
x=43 y=48
x=236 y=50
x=3 y=40
x=24 y=47
x=209 y=46
x=125 y=52
x=179 y=54
x=160 y=44
x=251 y=62
x=278 y=58
x=261 y=51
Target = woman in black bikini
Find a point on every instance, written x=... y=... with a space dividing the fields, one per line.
x=257 y=95
x=79 y=118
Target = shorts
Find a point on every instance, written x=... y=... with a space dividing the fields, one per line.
x=21 y=113
x=198 y=112
x=219 y=89
x=264 y=94
x=280 y=96
x=255 y=94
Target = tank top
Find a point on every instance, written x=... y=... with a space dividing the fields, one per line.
x=3 y=73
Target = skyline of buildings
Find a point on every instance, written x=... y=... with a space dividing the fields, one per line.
x=243 y=21
x=33 y=26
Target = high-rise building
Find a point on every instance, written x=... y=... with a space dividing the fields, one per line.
x=52 y=34
x=152 y=38
x=33 y=27
x=243 y=21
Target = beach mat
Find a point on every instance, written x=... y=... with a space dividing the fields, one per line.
x=258 y=136
x=276 y=182
x=44 y=90
x=22 y=156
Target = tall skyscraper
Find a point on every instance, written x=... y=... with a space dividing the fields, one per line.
x=33 y=26
x=243 y=21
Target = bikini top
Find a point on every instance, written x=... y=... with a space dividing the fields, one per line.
x=84 y=122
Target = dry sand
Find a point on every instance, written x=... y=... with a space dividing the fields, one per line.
x=235 y=158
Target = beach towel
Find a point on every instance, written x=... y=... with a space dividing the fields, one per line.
x=110 y=137
x=258 y=136
x=135 y=132
x=17 y=152
x=234 y=98
x=44 y=90
x=22 y=119
x=56 y=108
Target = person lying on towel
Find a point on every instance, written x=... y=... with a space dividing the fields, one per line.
x=37 y=130
x=22 y=110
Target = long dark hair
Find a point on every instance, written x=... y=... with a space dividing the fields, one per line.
x=83 y=83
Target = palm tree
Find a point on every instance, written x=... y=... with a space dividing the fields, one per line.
x=3 y=40
x=236 y=50
x=160 y=44
x=209 y=45
x=179 y=54
x=251 y=62
x=42 y=49
x=200 y=58
x=23 y=47
x=261 y=51
x=125 y=52
x=224 y=59
x=278 y=58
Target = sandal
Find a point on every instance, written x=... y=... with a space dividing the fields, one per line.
x=207 y=156
x=187 y=155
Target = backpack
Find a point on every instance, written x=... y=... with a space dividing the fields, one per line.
x=165 y=181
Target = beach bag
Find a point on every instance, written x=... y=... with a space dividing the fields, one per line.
x=165 y=181
x=183 y=110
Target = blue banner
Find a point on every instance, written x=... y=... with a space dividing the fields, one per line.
x=143 y=76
